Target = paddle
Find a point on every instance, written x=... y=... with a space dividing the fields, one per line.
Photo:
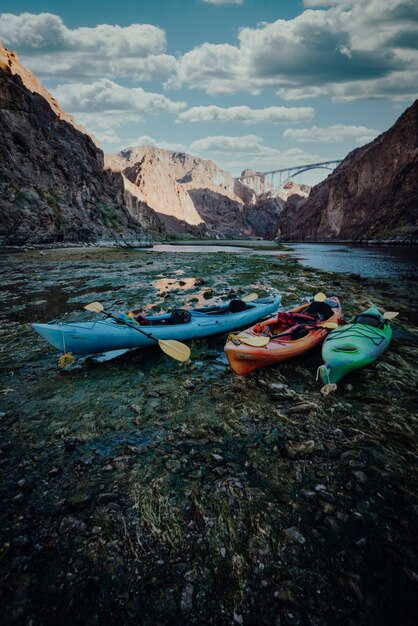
x=330 y=325
x=250 y=298
x=175 y=349
x=249 y=340
x=390 y=315
x=320 y=297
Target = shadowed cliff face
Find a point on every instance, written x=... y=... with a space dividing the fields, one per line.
x=373 y=193
x=189 y=194
x=52 y=183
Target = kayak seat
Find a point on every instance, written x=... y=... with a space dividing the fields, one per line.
x=369 y=320
x=179 y=316
x=236 y=306
x=322 y=309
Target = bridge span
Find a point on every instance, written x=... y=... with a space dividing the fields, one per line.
x=263 y=182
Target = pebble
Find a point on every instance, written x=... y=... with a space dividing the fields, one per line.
x=186 y=602
x=78 y=501
x=284 y=592
x=297 y=450
x=293 y=534
x=72 y=525
x=360 y=476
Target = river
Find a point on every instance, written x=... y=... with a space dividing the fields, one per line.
x=367 y=260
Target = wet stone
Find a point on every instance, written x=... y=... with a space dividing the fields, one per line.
x=186 y=602
x=294 y=535
x=78 y=501
x=72 y=525
x=300 y=450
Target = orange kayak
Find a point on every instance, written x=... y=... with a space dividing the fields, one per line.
x=291 y=333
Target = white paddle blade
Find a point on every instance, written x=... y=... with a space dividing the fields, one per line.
x=250 y=298
x=390 y=315
x=251 y=340
x=175 y=349
x=320 y=297
x=330 y=325
x=96 y=307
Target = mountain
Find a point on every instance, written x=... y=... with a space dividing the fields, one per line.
x=371 y=195
x=187 y=193
x=53 y=185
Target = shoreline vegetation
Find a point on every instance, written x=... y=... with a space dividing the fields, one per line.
x=273 y=243
x=147 y=491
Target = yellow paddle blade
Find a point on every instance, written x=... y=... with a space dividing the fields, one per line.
x=320 y=297
x=175 y=349
x=390 y=315
x=330 y=325
x=96 y=307
x=250 y=340
x=250 y=297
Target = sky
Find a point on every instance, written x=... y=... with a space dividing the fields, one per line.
x=257 y=84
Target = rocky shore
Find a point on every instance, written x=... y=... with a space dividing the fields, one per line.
x=144 y=491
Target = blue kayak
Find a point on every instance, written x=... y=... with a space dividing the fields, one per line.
x=105 y=335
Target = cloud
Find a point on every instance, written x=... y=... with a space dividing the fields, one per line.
x=104 y=95
x=234 y=153
x=345 y=44
x=332 y=134
x=51 y=49
x=145 y=140
x=246 y=115
x=103 y=106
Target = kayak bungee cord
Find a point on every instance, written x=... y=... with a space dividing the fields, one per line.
x=357 y=332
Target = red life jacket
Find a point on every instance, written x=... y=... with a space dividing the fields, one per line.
x=290 y=319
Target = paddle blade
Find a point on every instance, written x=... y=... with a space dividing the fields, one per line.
x=96 y=307
x=320 y=297
x=251 y=340
x=250 y=298
x=390 y=315
x=175 y=349
x=330 y=325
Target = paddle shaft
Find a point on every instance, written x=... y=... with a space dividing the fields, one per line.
x=118 y=319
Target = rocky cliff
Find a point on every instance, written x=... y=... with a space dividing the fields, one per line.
x=187 y=193
x=372 y=194
x=53 y=186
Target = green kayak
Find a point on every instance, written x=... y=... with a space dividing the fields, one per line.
x=354 y=345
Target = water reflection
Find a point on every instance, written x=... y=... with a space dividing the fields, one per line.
x=168 y=284
x=371 y=261
x=366 y=260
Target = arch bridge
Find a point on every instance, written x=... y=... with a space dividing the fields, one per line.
x=263 y=182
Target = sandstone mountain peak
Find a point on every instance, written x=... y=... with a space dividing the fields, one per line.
x=188 y=193
x=9 y=62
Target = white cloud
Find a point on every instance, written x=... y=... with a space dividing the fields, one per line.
x=348 y=44
x=246 y=115
x=106 y=95
x=51 y=49
x=332 y=134
x=235 y=153
x=145 y=140
x=103 y=106
x=211 y=66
